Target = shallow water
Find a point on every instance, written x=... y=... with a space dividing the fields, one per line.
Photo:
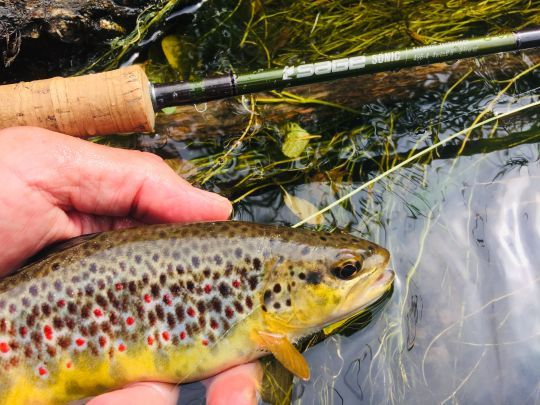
x=462 y=324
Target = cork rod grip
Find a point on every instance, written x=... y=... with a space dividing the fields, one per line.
x=98 y=104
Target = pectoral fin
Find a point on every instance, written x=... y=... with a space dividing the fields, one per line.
x=285 y=353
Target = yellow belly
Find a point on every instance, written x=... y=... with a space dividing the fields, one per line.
x=88 y=376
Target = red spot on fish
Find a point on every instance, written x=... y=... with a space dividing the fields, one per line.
x=79 y=342
x=165 y=336
x=229 y=313
x=207 y=288
x=150 y=340
x=61 y=303
x=214 y=324
x=167 y=299
x=182 y=335
x=102 y=341
x=121 y=347
x=48 y=332
x=4 y=348
x=205 y=342
x=191 y=312
x=236 y=283
x=98 y=312
x=119 y=286
x=68 y=364
x=42 y=371
x=23 y=331
x=148 y=298
x=130 y=321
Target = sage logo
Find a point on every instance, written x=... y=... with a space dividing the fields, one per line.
x=323 y=68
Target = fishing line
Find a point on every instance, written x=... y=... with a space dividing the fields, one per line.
x=413 y=158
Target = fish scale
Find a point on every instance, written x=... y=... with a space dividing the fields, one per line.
x=171 y=303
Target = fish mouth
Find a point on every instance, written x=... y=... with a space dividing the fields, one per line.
x=364 y=293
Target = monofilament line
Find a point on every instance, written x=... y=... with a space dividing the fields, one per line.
x=414 y=157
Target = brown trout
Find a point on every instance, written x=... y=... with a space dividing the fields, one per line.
x=175 y=303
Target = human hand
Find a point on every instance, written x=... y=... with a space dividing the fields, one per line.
x=55 y=187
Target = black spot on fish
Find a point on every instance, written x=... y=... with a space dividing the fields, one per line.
x=263 y=307
x=190 y=286
x=33 y=290
x=179 y=311
x=93 y=329
x=256 y=264
x=72 y=308
x=151 y=318
x=238 y=253
x=253 y=281
x=207 y=272
x=288 y=302
x=64 y=342
x=138 y=259
x=46 y=309
x=277 y=288
x=162 y=279
x=195 y=261
x=30 y=320
x=58 y=285
x=132 y=286
x=145 y=279
x=89 y=290
x=35 y=336
x=155 y=290
x=85 y=311
x=58 y=323
x=175 y=290
x=201 y=307
x=160 y=312
x=302 y=276
x=218 y=260
x=277 y=305
x=267 y=296
x=313 y=277
x=92 y=267
x=229 y=269
x=249 y=302
x=171 y=321
x=84 y=330
x=155 y=257
x=239 y=308
x=216 y=304
x=70 y=323
x=224 y=289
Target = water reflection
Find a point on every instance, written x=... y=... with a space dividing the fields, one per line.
x=463 y=325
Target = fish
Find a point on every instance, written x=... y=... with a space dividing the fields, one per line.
x=176 y=303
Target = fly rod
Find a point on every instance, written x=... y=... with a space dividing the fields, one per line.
x=124 y=101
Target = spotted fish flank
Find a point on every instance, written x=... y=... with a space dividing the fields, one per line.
x=175 y=303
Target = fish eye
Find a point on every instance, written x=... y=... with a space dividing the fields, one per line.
x=347 y=270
